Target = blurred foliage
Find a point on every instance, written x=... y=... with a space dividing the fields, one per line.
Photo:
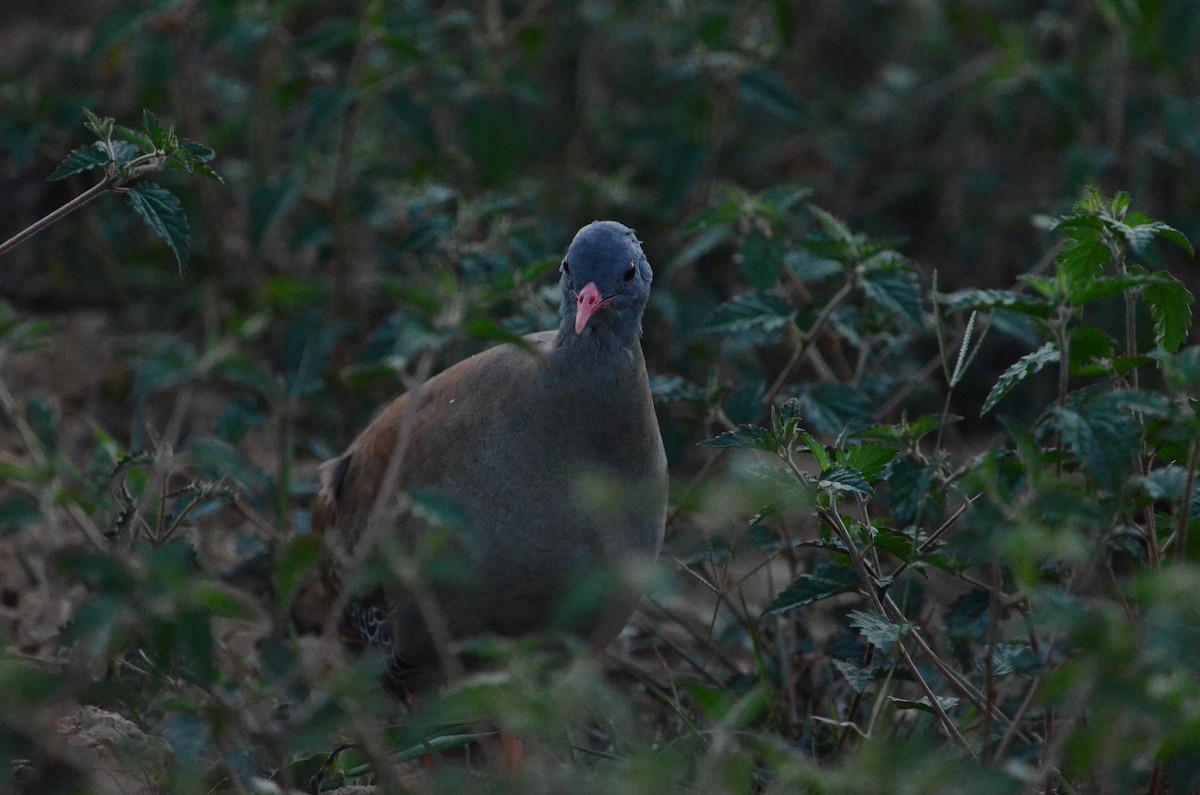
x=938 y=536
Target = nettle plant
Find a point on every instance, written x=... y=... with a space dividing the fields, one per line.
x=1037 y=601
x=125 y=156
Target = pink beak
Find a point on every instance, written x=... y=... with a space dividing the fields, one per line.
x=589 y=303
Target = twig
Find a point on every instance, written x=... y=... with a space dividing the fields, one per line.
x=1185 y=502
x=113 y=180
x=806 y=340
x=868 y=582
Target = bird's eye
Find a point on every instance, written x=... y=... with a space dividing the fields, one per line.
x=566 y=267
x=629 y=274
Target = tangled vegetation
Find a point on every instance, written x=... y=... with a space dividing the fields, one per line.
x=921 y=342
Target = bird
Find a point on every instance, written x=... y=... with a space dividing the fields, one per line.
x=512 y=437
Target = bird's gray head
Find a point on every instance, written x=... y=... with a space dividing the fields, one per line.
x=605 y=284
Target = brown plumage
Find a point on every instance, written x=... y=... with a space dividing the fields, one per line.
x=512 y=437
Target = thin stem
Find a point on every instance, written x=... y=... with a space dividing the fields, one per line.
x=806 y=340
x=115 y=178
x=62 y=212
x=1185 y=502
x=869 y=587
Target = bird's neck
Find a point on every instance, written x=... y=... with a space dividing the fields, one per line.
x=601 y=343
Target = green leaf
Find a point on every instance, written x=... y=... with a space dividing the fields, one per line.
x=163 y=213
x=857 y=678
x=1139 y=232
x=1170 y=308
x=835 y=408
x=832 y=226
x=222 y=600
x=923 y=703
x=762 y=260
x=744 y=436
x=768 y=90
x=721 y=215
x=970 y=300
x=194 y=156
x=136 y=137
x=1092 y=351
x=904 y=433
x=700 y=245
x=752 y=319
x=81 y=159
x=1102 y=436
x=1165 y=484
x=159 y=135
x=674 y=388
x=299 y=557
x=869 y=459
x=102 y=127
x=879 y=632
x=1026 y=366
x=829 y=579
x=817 y=449
x=845 y=480
x=909 y=481
x=1084 y=255
x=1104 y=286
x=125 y=152
x=894 y=288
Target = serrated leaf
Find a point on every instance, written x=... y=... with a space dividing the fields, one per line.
x=1026 y=366
x=719 y=216
x=102 y=127
x=297 y=558
x=923 y=703
x=163 y=213
x=136 y=137
x=1084 y=255
x=1165 y=484
x=1102 y=437
x=832 y=225
x=125 y=152
x=752 y=319
x=674 y=388
x=1151 y=404
x=1170 y=309
x=779 y=200
x=829 y=579
x=905 y=433
x=879 y=632
x=744 y=436
x=785 y=423
x=1140 y=234
x=1175 y=236
x=762 y=260
x=900 y=544
x=700 y=245
x=857 y=678
x=222 y=600
x=835 y=408
x=909 y=481
x=768 y=90
x=845 y=480
x=817 y=449
x=159 y=135
x=80 y=159
x=869 y=459
x=895 y=289
x=971 y=299
x=1104 y=286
